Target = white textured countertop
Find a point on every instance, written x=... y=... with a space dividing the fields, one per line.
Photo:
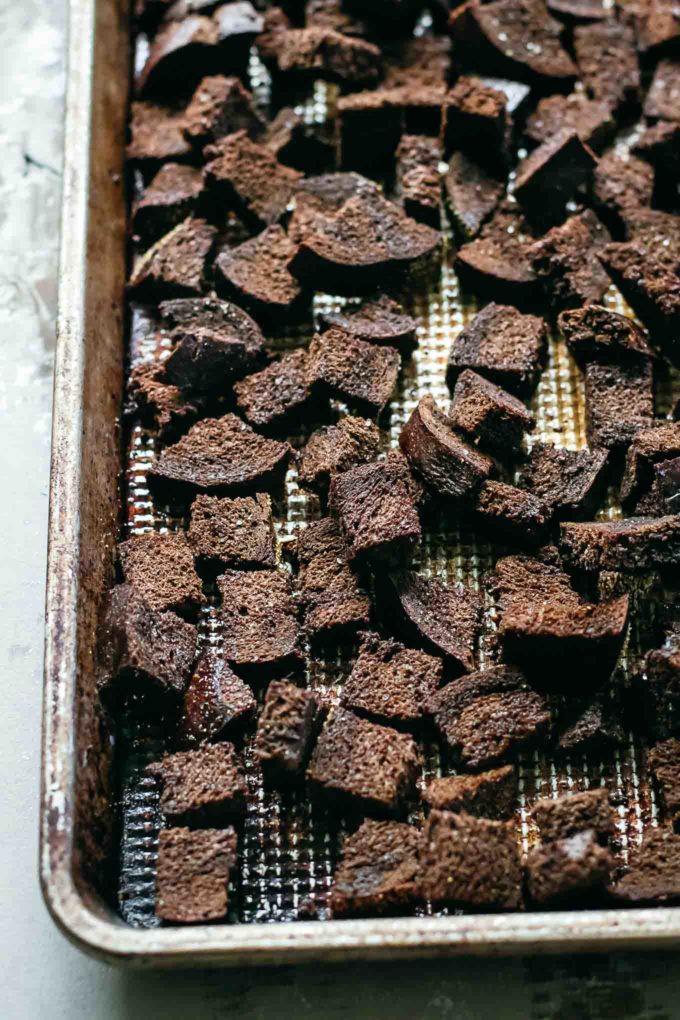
x=42 y=975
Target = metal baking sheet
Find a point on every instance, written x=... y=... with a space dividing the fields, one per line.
x=98 y=807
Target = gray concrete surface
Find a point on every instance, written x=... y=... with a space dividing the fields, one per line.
x=41 y=975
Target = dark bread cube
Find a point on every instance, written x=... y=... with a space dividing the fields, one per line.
x=472 y=194
x=592 y=728
x=359 y=765
x=653 y=876
x=485 y=718
x=663 y=97
x=156 y=136
x=445 y=618
x=648 y=447
x=259 y=614
x=563 y=647
x=337 y=448
x=214 y=342
x=256 y=274
x=368 y=242
x=621 y=182
x=220 y=106
x=656 y=28
x=376 y=506
x=216 y=702
x=307 y=147
x=175 y=265
x=504 y=345
x=201 y=788
x=307 y=54
x=663 y=495
x=160 y=406
x=192 y=875
x=160 y=568
x=285 y=731
x=511 y=512
x=378 y=872
x=491 y=794
x=418 y=182
x=565 y=260
x=514 y=39
x=490 y=416
x=608 y=64
x=278 y=394
x=245 y=176
x=333 y=596
x=634 y=544
x=181 y=53
x=350 y=369
x=661 y=688
x=571 y=483
x=496 y=264
x=220 y=455
x=619 y=402
x=569 y=872
x=547 y=179
x=522 y=579
x=440 y=456
x=390 y=683
x=469 y=862
x=591 y=118
x=648 y=276
x=381 y=320
x=233 y=532
x=595 y=333
x=142 y=650
x=474 y=119
x=663 y=762
x=173 y=194
x=572 y=813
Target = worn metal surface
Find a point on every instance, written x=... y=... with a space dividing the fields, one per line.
x=77 y=812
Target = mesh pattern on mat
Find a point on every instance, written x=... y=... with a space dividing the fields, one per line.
x=288 y=847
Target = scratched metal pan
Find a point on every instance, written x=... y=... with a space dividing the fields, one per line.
x=99 y=820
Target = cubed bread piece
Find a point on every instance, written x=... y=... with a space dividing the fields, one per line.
x=337 y=448
x=511 y=513
x=439 y=455
x=572 y=813
x=334 y=599
x=363 y=374
x=359 y=765
x=548 y=177
x=173 y=194
x=201 y=788
x=495 y=419
x=565 y=260
x=376 y=505
x=571 y=872
x=634 y=544
x=143 y=650
x=653 y=875
x=279 y=394
x=192 y=875
x=619 y=402
x=216 y=702
x=233 y=532
x=260 y=619
x=571 y=483
x=496 y=266
x=485 y=718
x=159 y=405
x=390 y=683
x=256 y=274
x=378 y=872
x=175 y=265
x=491 y=794
x=381 y=320
x=285 y=731
x=160 y=568
x=504 y=345
x=445 y=618
x=219 y=455
x=595 y=333
x=663 y=761
x=469 y=862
